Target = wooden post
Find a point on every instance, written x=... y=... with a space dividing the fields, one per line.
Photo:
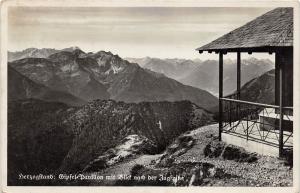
x=238 y=75
x=280 y=109
x=238 y=82
x=279 y=91
x=220 y=94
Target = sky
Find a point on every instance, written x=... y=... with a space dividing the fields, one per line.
x=162 y=32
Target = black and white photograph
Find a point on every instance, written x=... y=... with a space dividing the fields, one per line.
x=164 y=96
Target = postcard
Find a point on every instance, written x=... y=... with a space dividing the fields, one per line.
x=151 y=96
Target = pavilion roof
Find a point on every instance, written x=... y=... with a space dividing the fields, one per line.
x=272 y=29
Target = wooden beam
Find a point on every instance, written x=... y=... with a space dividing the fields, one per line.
x=200 y=51
x=263 y=105
x=266 y=49
x=220 y=95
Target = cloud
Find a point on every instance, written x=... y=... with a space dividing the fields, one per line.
x=127 y=30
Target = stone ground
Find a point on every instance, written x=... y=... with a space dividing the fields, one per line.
x=187 y=154
x=266 y=171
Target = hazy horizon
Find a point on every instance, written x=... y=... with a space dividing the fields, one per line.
x=231 y=56
x=130 y=32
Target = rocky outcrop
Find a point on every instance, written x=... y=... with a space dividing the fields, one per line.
x=229 y=152
x=130 y=146
x=208 y=162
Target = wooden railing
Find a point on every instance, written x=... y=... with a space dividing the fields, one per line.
x=259 y=122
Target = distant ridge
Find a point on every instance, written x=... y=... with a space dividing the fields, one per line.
x=30 y=53
x=204 y=74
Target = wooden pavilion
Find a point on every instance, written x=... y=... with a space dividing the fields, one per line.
x=265 y=124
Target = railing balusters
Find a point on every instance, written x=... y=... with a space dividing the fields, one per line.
x=230 y=114
x=236 y=111
x=247 y=123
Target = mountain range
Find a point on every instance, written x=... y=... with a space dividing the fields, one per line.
x=103 y=75
x=204 y=74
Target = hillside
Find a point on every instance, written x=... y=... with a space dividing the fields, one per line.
x=260 y=89
x=112 y=121
x=21 y=87
x=38 y=138
x=48 y=137
x=103 y=75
